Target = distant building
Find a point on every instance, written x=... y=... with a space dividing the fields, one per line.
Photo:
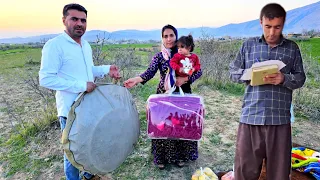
x=227 y=37
x=294 y=35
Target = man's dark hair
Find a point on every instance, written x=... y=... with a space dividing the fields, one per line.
x=73 y=6
x=273 y=10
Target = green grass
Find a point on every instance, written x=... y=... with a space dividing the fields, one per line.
x=13 y=51
x=225 y=87
x=142 y=53
x=215 y=139
x=197 y=50
x=3 y=109
x=115 y=46
x=143 y=121
x=146 y=90
x=18 y=59
x=310 y=47
x=300 y=115
x=2 y=140
x=17 y=157
x=315 y=49
x=295 y=131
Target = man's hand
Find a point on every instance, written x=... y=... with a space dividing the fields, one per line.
x=181 y=80
x=181 y=70
x=90 y=86
x=114 y=72
x=274 y=79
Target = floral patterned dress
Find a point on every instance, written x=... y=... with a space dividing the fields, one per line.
x=163 y=150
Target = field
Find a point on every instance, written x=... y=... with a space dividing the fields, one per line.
x=30 y=133
x=315 y=47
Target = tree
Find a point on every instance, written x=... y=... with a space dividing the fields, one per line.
x=311 y=33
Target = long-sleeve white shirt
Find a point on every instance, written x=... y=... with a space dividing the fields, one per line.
x=66 y=67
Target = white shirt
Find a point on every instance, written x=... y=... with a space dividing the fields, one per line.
x=67 y=67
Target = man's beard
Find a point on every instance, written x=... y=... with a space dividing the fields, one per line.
x=73 y=31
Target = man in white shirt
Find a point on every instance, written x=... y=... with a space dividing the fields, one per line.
x=67 y=67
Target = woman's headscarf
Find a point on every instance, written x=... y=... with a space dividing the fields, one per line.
x=167 y=54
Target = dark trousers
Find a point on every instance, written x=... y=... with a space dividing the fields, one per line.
x=257 y=142
x=186 y=88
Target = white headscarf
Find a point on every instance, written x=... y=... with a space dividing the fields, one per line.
x=166 y=52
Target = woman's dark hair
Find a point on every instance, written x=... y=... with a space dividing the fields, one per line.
x=73 y=6
x=273 y=10
x=168 y=26
x=186 y=41
x=174 y=49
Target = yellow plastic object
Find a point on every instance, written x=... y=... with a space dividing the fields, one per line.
x=204 y=174
x=306 y=152
x=195 y=177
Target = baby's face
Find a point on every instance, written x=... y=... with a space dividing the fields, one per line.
x=183 y=50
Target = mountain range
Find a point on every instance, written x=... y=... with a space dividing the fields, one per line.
x=303 y=18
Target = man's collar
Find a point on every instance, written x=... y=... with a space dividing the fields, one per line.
x=66 y=35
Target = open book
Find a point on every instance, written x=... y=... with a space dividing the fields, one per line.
x=261 y=69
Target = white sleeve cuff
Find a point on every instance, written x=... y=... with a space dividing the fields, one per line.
x=100 y=71
x=106 y=69
x=82 y=86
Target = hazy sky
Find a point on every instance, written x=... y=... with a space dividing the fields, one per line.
x=33 y=17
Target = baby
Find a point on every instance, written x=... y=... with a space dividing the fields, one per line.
x=185 y=63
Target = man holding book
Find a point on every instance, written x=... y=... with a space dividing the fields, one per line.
x=265 y=131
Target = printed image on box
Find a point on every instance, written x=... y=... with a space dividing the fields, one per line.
x=175 y=116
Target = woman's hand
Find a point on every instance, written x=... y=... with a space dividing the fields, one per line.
x=132 y=82
x=181 y=80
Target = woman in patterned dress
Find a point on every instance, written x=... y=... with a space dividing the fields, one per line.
x=168 y=151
